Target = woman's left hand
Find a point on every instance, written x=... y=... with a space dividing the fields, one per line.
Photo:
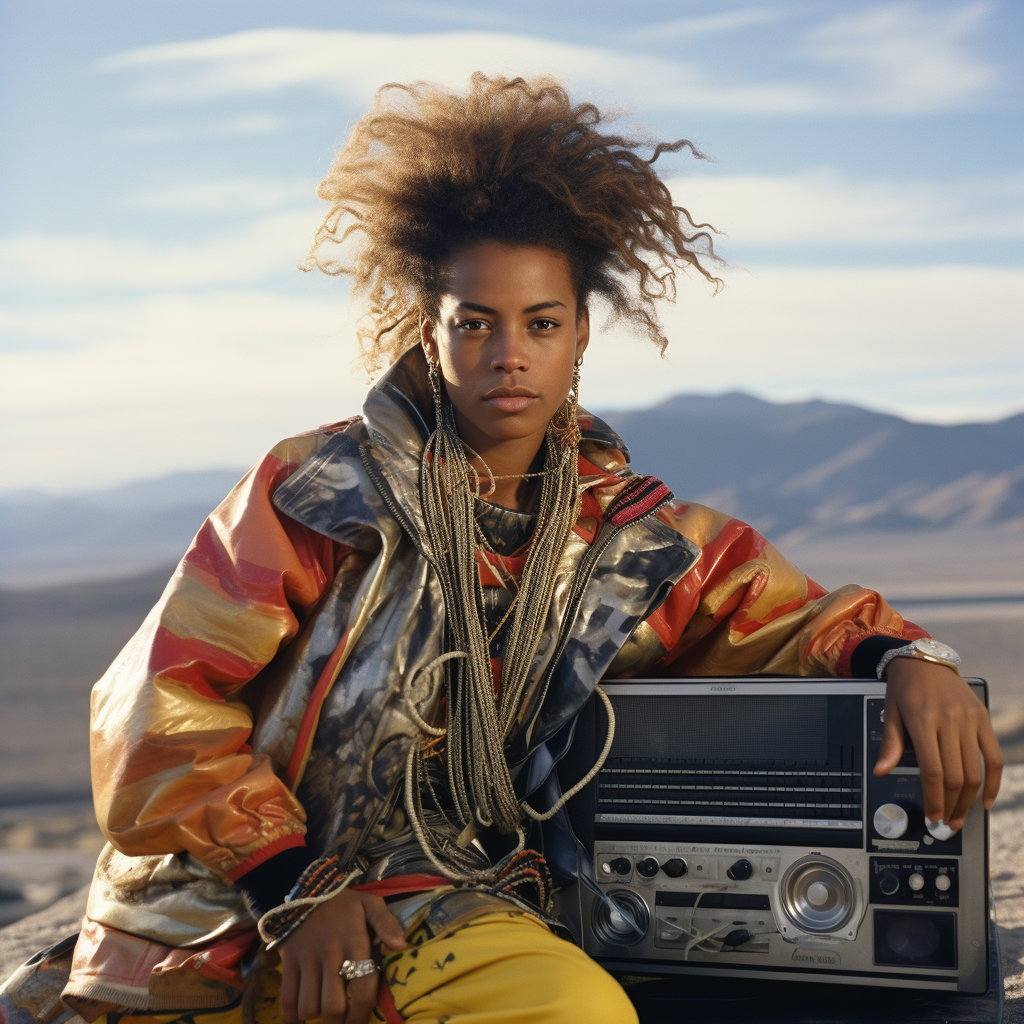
x=951 y=733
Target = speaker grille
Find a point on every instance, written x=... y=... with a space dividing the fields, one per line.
x=748 y=760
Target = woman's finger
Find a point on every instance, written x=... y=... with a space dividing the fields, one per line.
x=970 y=757
x=309 y=989
x=385 y=925
x=290 y=992
x=891 y=749
x=929 y=760
x=334 y=996
x=951 y=753
x=362 y=997
x=993 y=762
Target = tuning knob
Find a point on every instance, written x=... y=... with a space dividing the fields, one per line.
x=939 y=829
x=648 y=867
x=620 y=865
x=741 y=870
x=890 y=821
x=889 y=883
x=674 y=868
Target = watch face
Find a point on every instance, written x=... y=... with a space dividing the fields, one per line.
x=935 y=649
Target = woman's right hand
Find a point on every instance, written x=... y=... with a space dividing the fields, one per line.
x=312 y=955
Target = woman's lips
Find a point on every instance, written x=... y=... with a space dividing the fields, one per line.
x=510 y=399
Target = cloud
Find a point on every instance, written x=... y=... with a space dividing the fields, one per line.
x=705 y=25
x=823 y=207
x=252 y=124
x=268 y=245
x=353 y=64
x=913 y=51
x=190 y=381
x=223 y=195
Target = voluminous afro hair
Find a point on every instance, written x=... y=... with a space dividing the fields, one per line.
x=427 y=171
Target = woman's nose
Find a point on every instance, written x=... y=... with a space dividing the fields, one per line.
x=509 y=353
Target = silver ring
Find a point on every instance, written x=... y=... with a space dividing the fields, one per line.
x=352 y=969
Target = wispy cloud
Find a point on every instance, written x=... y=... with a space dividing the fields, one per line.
x=822 y=207
x=705 y=25
x=224 y=195
x=248 y=254
x=916 y=55
x=250 y=124
x=933 y=73
x=451 y=14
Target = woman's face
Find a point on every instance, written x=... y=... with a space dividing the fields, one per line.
x=507 y=336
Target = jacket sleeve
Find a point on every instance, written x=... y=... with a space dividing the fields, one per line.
x=171 y=763
x=745 y=610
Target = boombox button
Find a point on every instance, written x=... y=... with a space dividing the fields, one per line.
x=648 y=867
x=620 y=865
x=674 y=868
x=942 y=882
x=741 y=870
x=916 y=882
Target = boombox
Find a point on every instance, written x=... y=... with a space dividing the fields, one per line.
x=736 y=829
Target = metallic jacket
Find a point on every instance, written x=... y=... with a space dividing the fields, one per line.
x=308 y=602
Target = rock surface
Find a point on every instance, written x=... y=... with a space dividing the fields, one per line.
x=19 y=941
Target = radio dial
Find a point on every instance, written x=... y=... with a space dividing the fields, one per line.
x=916 y=882
x=890 y=821
x=674 y=868
x=620 y=865
x=889 y=883
x=648 y=867
x=741 y=870
x=942 y=883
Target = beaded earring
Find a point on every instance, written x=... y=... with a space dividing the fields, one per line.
x=565 y=423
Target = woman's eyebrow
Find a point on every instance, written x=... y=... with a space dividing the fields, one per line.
x=476 y=307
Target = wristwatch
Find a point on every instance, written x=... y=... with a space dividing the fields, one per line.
x=925 y=650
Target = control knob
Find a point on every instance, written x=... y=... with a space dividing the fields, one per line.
x=890 y=821
x=674 y=868
x=889 y=883
x=916 y=881
x=648 y=867
x=939 y=829
x=942 y=883
x=620 y=865
x=741 y=870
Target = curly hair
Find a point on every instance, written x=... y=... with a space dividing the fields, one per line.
x=427 y=171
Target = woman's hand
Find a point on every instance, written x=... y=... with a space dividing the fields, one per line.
x=312 y=955
x=948 y=726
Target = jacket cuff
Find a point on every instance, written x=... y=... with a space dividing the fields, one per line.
x=266 y=885
x=862 y=658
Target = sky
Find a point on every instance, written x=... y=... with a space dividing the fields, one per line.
x=160 y=159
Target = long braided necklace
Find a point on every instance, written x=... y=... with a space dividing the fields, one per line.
x=478 y=725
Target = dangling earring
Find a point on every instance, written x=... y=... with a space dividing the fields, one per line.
x=434 y=376
x=565 y=423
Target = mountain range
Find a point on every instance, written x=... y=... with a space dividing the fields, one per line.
x=795 y=470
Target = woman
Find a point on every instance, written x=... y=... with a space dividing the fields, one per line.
x=333 y=720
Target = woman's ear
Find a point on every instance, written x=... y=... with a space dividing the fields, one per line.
x=427 y=339
x=582 y=331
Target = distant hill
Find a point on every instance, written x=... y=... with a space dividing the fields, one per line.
x=114 y=532
x=819 y=468
x=795 y=470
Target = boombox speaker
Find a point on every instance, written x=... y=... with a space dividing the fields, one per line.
x=736 y=829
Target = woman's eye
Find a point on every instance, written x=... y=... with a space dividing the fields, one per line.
x=544 y=324
x=473 y=325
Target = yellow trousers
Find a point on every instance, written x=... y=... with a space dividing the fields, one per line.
x=503 y=967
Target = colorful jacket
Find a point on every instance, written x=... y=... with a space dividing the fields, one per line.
x=312 y=581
